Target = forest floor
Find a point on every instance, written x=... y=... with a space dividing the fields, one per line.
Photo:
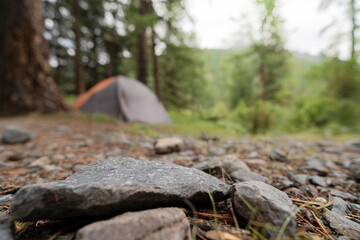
x=64 y=144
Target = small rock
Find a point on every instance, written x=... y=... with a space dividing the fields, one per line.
x=231 y=163
x=339 y=206
x=59 y=157
x=341 y=224
x=189 y=144
x=343 y=195
x=278 y=155
x=40 y=162
x=2 y=149
x=316 y=164
x=6 y=227
x=210 y=164
x=318 y=181
x=188 y=153
x=281 y=182
x=339 y=174
x=355 y=144
x=12 y=135
x=300 y=179
x=354 y=207
x=5 y=199
x=243 y=176
x=217 y=151
x=147 y=145
x=168 y=145
x=355 y=168
x=341 y=183
x=4 y=165
x=272 y=206
x=207 y=138
x=116 y=185
x=294 y=192
x=310 y=190
x=30 y=145
x=254 y=155
x=161 y=223
x=255 y=162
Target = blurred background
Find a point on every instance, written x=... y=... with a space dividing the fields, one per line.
x=246 y=67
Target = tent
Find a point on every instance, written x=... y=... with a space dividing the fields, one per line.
x=123 y=98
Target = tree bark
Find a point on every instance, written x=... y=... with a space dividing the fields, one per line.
x=79 y=70
x=142 y=46
x=26 y=83
x=155 y=66
x=353 y=30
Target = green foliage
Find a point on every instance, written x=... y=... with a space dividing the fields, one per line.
x=182 y=77
x=256 y=118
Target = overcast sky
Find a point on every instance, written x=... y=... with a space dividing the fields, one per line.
x=222 y=24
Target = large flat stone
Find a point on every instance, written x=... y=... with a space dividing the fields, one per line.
x=272 y=206
x=161 y=223
x=113 y=186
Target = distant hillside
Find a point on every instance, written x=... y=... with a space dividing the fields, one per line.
x=299 y=65
x=214 y=57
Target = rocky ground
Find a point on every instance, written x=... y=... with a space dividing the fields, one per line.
x=70 y=178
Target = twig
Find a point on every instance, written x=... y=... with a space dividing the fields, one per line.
x=320 y=224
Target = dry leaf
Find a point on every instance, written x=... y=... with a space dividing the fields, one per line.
x=218 y=235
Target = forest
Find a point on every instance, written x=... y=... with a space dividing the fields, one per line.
x=258 y=88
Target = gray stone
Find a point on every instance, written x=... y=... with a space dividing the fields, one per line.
x=189 y=144
x=147 y=145
x=188 y=153
x=5 y=199
x=341 y=224
x=355 y=168
x=6 y=227
x=255 y=162
x=2 y=149
x=300 y=179
x=355 y=144
x=281 y=182
x=231 y=163
x=339 y=206
x=318 y=181
x=168 y=145
x=217 y=151
x=343 y=195
x=210 y=164
x=12 y=135
x=278 y=155
x=294 y=192
x=354 y=207
x=339 y=174
x=272 y=206
x=161 y=223
x=116 y=185
x=243 y=176
x=316 y=164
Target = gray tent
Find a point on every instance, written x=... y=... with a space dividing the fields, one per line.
x=123 y=98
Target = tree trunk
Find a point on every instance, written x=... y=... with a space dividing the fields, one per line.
x=353 y=30
x=111 y=67
x=26 y=83
x=79 y=70
x=155 y=66
x=142 y=46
